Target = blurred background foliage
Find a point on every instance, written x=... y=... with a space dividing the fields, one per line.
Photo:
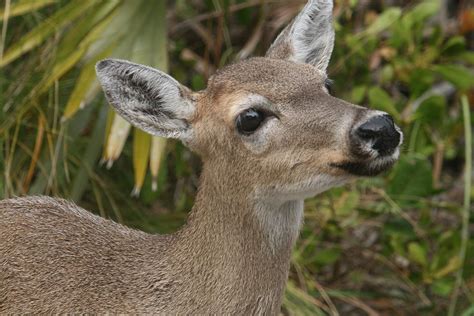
x=394 y=245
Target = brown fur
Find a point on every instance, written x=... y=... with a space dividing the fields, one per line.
x=233 y=255
x=56 y=257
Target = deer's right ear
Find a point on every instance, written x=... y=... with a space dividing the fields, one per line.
x=310 y=38
x=147 y=98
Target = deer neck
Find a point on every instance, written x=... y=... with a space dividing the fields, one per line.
x=240 y=245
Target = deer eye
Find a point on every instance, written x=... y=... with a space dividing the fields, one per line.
x=249 y=121
x=328 y=84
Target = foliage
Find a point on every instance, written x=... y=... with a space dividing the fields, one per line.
x=386 y=245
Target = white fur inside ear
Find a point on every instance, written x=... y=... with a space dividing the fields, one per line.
x=310 y=38
x=149 y=99
x=313 y=34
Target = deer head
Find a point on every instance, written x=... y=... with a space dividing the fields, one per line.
x=268 y=123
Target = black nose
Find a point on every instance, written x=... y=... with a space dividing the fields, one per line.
x=381 y=133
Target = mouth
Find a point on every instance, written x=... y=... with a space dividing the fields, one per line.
x=368 y=168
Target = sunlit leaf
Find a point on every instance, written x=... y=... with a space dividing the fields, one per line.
x=417 y=253
x=84 y=84
x=39 y=34
x=116 y=139
x=460 y=76
x=25 y=6
x=384 y=20
x=379 y=99
x=158 y=146
x=412 y=177
x=453 y=264
x=141 y=154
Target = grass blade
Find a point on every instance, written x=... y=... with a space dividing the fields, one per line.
x=84 y=84
x=39 y=34
x=26 y=6
x=467 y=203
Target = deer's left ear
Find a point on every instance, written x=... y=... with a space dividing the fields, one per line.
x=310 y=38
x=147 y=98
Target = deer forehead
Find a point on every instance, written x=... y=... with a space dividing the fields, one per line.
x=278 y=81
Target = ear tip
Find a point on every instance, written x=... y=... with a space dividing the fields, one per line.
x=101 y=65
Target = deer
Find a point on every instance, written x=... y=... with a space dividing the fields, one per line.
x=269 y=135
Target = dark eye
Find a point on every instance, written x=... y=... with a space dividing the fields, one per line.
x=248 y=121
x=328 y=84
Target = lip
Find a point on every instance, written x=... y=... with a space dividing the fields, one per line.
x=366 y=168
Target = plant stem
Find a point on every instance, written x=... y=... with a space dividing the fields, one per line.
x=467 y=203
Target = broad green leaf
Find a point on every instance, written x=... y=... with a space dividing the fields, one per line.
x=347 y=203
x=358 y=94
x=411 y=177
x=384 y=20
x=380 y=100
x=62 y=66
x=417 y=253
x=453 y=264
x=52 y=24
x=454 y=45
x=419 y=80
x=141 y=154
x=467 y=57
x=458 y=75
x=442 y=287
x=469 y=311
x=87 y=24
x=84 y=84
x=25 y=6
x=423 y=11
x=327 y=256
x=431 y=110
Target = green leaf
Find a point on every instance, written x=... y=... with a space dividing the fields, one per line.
x=442 y=287
x=431 y=110
x=25 y=6
x=358 y=94
x=380 y=100
x=423 y=11
x=347 y=202
x=469 y=311
x=84 y=85
x=327 y=256
x=39 y=34
x=417 y=253
x=420 y=80
x=458 y=75
x=141 y=154
x=453 y=264
x=454 y=45
x=412 y=177
x=467 y=57
x=384 y=20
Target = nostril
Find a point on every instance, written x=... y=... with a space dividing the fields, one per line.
x=380 y=133
x=376 y=126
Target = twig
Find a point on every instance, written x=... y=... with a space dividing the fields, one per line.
x=217 y=13
x=444 y=89
x=326 y=298
x=467 y=204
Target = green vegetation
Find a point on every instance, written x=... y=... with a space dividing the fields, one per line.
x=397 y=244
